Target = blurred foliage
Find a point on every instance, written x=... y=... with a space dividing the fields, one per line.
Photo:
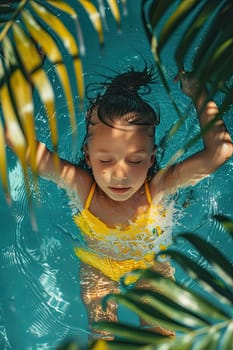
x=207 y=27
x=30 y=32
x=201 y=316
x=209 y=20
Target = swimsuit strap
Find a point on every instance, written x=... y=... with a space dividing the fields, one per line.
x=90 y=196
x=92 y=191
x=148 y=194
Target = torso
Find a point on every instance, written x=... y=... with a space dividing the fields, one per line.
x=122 y=230
x=114 y=213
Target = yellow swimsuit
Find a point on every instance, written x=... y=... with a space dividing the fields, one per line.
x=120 y=250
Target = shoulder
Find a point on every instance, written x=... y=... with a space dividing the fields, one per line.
x=165 y=181
x=75 y=180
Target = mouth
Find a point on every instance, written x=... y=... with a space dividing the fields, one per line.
x=119 y=190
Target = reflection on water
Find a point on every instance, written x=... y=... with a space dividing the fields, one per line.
x=40 y=291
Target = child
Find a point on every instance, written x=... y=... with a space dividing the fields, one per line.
x=120 y=192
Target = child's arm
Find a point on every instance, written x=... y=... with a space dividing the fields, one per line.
x=63 y=173
x=217 y=144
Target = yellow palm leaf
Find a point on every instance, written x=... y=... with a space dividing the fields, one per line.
x=115 y=10
x=77 y=69
x=22 y=94
x=32 y=62
x=61 y=5
x=23 y=64
x=95 y=18
x=49 y=47
x=17 y=139
x=3 y=162
x=100 y=345
x=67 y=38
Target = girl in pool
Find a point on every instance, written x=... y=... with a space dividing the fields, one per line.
x=120 y=192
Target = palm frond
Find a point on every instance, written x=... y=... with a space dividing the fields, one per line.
x=95 y=18
x=3 y=163
x=226 y=223
x=7 y=9
x=212 y=62
x=30 y=32
x=12 y=124
x=51 y=50
x=208 y=251
x=204 y=322
x=115 y=10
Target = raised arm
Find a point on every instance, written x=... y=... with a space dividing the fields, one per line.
x=62 y=172
x=217 y=149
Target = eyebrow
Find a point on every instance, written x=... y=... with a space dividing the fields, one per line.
x=103 y=151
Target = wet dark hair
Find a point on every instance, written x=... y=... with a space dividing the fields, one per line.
x=121 y=99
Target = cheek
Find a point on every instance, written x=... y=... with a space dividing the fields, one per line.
x=99 y=172
x=139 y=174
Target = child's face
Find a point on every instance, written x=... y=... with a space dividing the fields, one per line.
x=120 y=157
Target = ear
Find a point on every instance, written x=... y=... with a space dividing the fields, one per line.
x=87 y=157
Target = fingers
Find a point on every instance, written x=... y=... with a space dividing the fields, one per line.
x=211 y=108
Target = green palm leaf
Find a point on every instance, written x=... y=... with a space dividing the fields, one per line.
x=203 y=322
x=217 y=286
x=175 y=19
x=6 y=10
x=226 y=223
x=182 y=296
x=202 y=15
x=215 y=34
x=142 y=337
x=227 y=338
x=218 y=260
x=212 y=62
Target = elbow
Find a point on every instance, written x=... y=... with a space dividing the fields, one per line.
x=226 y=151
x=223 y=152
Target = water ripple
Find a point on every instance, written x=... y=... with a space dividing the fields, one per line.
x=40 y=295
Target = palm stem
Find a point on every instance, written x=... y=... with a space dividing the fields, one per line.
x=9 y=24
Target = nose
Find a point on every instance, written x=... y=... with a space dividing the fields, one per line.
x=119 y=172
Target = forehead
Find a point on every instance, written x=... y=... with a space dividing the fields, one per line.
x=119 y=138
x=119 y=127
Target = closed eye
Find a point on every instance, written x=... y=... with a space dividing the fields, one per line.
x=135 y=161
x=105 y=161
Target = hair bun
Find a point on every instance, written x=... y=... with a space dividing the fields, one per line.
x=129 y=83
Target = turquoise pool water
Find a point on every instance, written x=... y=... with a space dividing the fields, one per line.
x=40 y=303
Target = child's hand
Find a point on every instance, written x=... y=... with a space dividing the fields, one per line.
x=189 y=84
